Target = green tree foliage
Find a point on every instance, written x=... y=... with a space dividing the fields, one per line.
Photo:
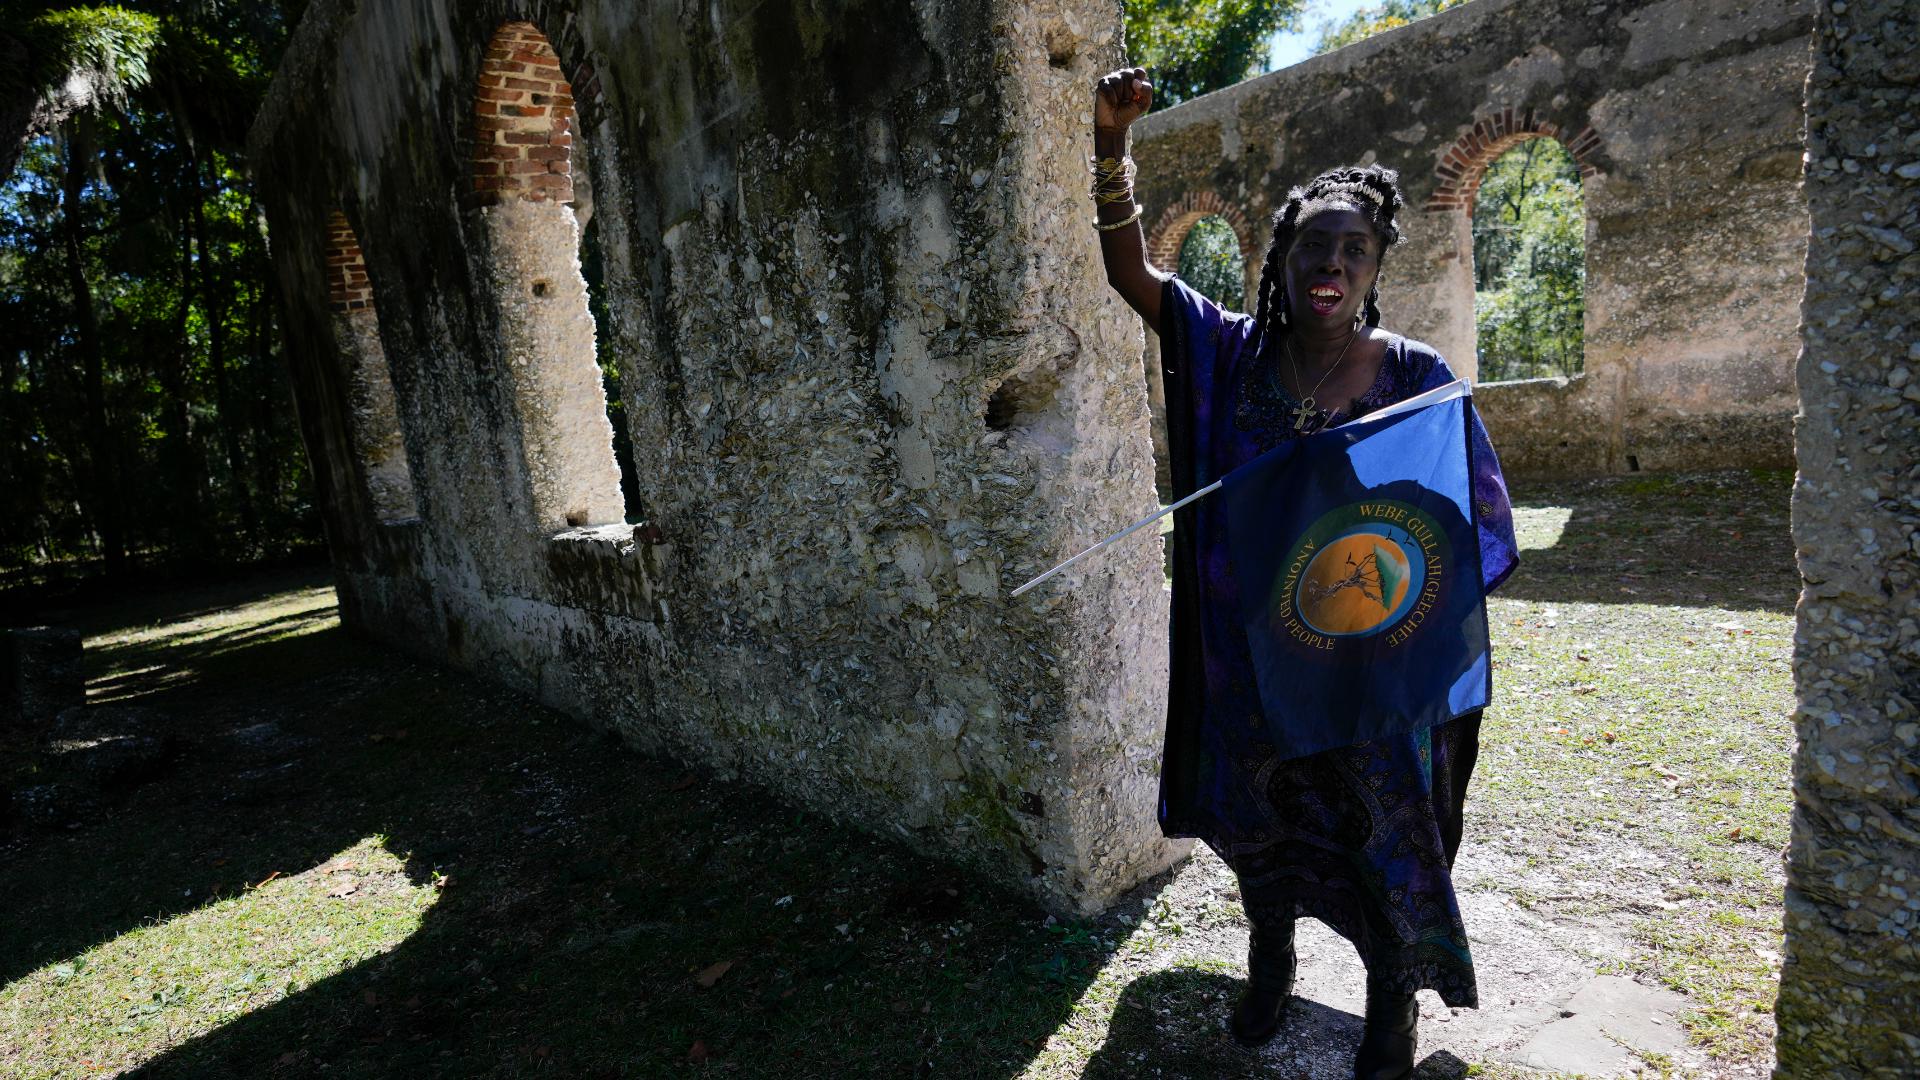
x=1192 y=47
x=144 y=411
x=1369 y=21
x=109 y=40
x=57 y=62
x=1529 y=264
x=1210 y=261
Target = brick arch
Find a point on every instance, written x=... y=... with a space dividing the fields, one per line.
x=1171 y=228
x=557 y=22
x=525 y=117
x=347 y=286
x=1457 y=177
x=373 y=413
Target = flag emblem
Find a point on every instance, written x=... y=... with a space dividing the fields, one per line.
x=1371 y=567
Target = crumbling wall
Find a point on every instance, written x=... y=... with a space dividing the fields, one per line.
x=1850 y=987
x=870 y=369
x=1684 y=117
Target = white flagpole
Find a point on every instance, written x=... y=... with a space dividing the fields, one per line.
x=1122 y=534
x=1454 y=389
x=1447 y=392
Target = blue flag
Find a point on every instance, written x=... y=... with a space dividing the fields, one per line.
x=1358 y=564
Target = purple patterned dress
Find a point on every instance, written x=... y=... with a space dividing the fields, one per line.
x=1362 y=837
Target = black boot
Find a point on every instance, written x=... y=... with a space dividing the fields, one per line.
x=1386 y=1047
x=1270 y=968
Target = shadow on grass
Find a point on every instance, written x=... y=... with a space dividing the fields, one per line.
x=205 y=831
x=1696 y=540
x=1171 y=1023
x=150 y=665
x=1168 y=1023
x=585 y=886
x=116 y=605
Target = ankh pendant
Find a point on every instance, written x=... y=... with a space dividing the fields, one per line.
x=1302 y=413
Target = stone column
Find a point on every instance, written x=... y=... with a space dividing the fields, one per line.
x=1850 y=990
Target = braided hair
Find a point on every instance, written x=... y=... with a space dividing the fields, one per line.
x=1374 y=191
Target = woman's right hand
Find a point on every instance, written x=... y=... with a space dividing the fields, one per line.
x=1120 y=98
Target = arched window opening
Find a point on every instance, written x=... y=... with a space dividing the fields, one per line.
x=523 y=151
x=1210 y=261
x=1529 y=263
x=375 y=413
x=1199 y=237
x=593 y=269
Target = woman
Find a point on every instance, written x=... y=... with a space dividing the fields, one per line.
x=1362 y=837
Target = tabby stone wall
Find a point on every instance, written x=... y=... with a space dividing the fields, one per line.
x=868 y=365
x=1850 y=988
x=1685 y=118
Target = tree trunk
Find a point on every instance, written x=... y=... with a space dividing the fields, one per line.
x=211 y=303
x=188 y=524
x=269 y=409
x=25 y=490
x=102 y=481
x=17 y=103
x=35 y=415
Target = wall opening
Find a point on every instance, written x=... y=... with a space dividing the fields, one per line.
x=525 y=191
x=1211 y=262
x=374 y=413
x=1529 y=263
x=1224 y=224
x=593 y=269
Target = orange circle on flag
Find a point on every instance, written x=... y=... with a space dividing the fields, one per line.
x=1354 y=584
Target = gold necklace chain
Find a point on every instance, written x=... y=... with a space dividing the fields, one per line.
x=1307 y=408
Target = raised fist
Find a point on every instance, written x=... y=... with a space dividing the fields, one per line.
x=1120 y=98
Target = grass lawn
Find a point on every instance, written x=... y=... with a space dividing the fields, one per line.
x=1639 y=753
x=361 y=863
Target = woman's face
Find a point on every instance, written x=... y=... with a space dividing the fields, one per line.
x=1330 y=268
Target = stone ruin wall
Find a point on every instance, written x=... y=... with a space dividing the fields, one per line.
x=1685 y=118
x=1850 y=988
x=870 y=369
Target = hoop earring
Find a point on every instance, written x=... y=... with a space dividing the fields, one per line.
x=1282 y=313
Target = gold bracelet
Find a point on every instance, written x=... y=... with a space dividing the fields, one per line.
x=1130 y=219
x=1107 y=170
